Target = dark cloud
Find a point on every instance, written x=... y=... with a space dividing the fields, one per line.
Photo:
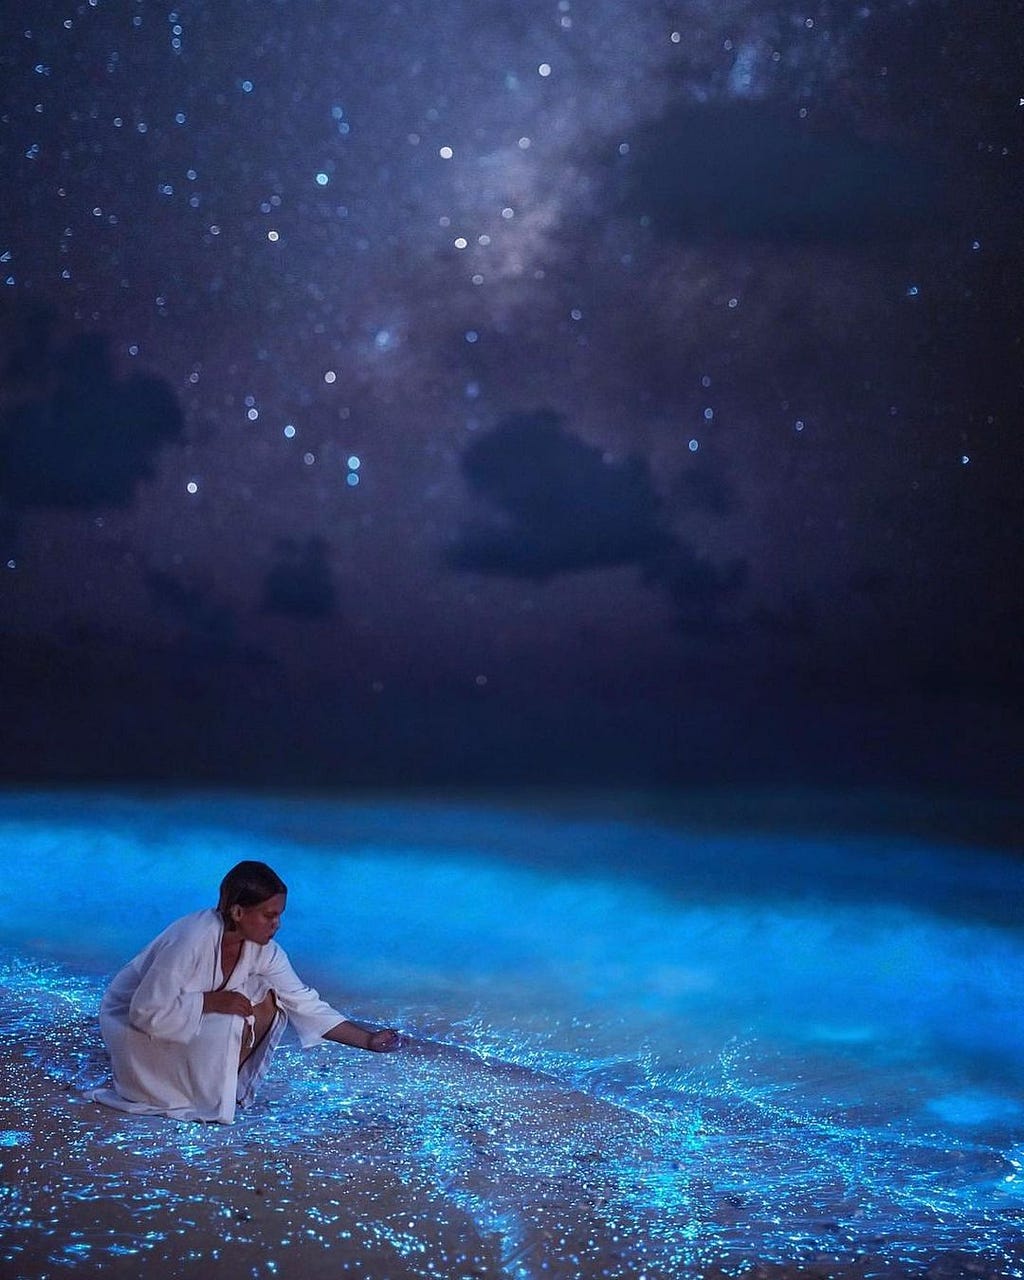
x=559 y=506
x=705 y=490
x=76 y=437
x=697 y=587
x=300 y=585
x=736 y=171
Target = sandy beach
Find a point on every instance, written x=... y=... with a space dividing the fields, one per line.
x=432 y=1163
x=693 y=1070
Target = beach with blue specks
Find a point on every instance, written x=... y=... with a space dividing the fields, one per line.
x=637 y=1048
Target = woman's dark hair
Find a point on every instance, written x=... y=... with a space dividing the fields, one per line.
x=246 y=885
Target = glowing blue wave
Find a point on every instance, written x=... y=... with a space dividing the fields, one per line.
x=619 y=1040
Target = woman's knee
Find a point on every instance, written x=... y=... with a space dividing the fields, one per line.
x=264 y=1012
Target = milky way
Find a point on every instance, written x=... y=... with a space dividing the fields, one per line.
x=723 y=293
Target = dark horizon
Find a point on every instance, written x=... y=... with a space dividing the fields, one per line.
x=116 y=716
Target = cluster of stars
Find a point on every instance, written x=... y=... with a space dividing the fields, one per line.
x=468 y=232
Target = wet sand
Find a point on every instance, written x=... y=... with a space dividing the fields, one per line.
x=429 y=1163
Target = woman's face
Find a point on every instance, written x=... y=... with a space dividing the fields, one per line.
x=259 y=923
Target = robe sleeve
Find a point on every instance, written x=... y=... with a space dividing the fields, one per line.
x=168 y=1002
x=309 y=1015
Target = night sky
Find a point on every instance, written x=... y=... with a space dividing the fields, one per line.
x=604 y=391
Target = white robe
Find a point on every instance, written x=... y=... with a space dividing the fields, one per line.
x=168 y=1056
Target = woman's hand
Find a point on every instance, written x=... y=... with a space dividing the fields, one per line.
x=227 y=1002
x=387 y=1040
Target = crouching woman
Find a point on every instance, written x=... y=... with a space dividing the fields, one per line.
x=192 y=1021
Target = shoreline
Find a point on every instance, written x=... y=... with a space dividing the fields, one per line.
x=441 y=1165
x=347 y=1207
x=612 y=1077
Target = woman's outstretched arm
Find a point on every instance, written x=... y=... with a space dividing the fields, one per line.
x=385 y=1040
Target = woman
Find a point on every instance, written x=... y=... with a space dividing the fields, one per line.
x=192 y=1021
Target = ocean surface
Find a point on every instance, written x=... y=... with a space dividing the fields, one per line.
x=799 y=1037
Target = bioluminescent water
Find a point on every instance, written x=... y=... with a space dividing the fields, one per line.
x=638 y=1049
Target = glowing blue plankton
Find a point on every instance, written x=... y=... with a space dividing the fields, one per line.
x=639 y=1049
